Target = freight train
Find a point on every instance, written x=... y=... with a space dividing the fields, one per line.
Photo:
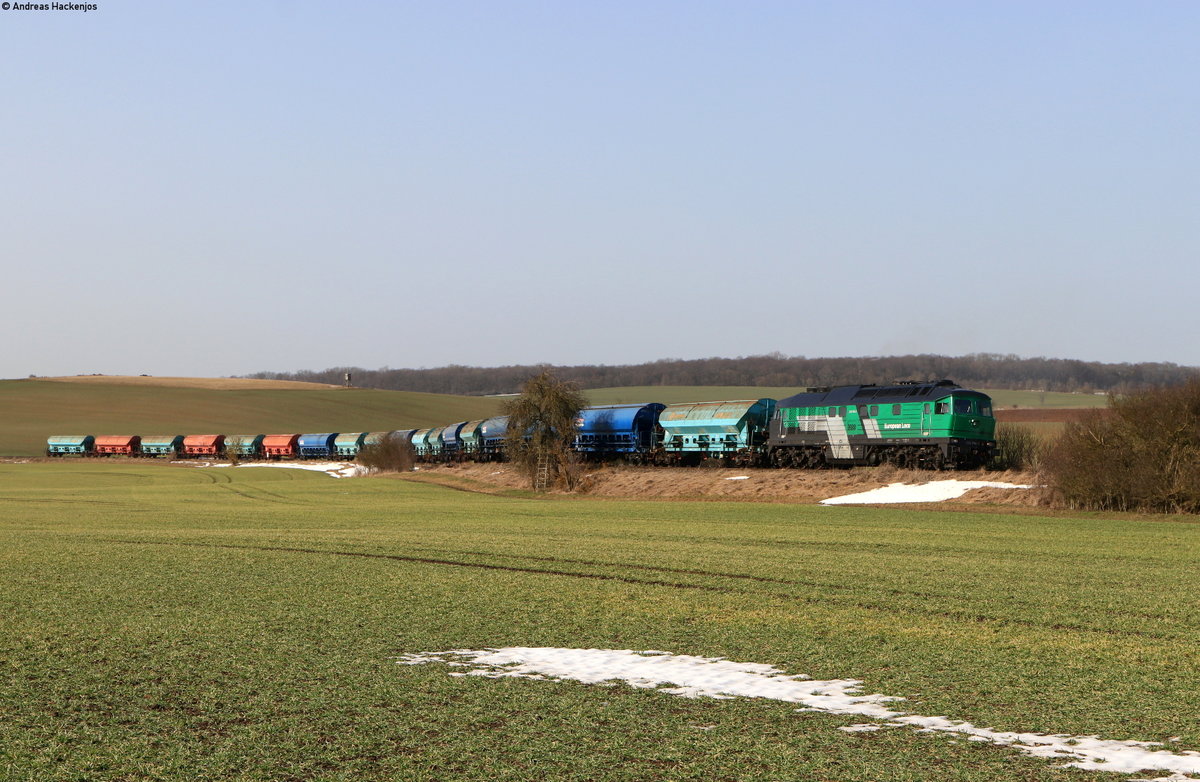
x=927 y=425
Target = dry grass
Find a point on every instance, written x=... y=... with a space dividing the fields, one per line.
x=758 y=485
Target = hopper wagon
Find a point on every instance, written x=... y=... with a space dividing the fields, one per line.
x=470 y=438
x=347 y=444
x=162 y=445
x=63 y=444
x=433 y=445
x=318 y=446
x=405 y=435
x=630 y=432
x=451 y=441
x=734 y=431
x=420 y=442
x=279 y=446
x=245 y=446
x=198 y=445
x=118 y=445
x=491 y=438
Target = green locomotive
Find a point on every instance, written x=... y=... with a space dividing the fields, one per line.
x=935 y=425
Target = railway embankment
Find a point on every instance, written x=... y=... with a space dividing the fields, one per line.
x=736 y=484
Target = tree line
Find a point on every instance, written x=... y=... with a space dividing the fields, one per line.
x=986 y=370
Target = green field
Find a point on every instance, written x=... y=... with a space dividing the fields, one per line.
x=176 y=623
x=37 y=409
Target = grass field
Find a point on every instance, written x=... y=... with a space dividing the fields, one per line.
x=177 y=623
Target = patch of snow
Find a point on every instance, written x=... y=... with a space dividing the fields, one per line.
x=934 y=491
x=739 y=478
x=715 y=677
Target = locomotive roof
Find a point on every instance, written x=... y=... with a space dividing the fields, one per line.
x=873 y=395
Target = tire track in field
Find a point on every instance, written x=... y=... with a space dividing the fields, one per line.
x=270 y=496
x=223 y=480
x=61 y=500
x=895 y=591
x=962 y=616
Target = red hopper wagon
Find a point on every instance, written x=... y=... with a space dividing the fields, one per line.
x=204 y=445
x=126 y=445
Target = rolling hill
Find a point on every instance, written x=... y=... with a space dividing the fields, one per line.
x=35 y=409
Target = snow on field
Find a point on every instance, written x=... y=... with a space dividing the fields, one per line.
x=934 y=491
x=336 y=469
x=714 y=677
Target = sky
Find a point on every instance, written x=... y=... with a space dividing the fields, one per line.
x=218 y=188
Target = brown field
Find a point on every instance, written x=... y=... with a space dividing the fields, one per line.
x=1044 y=415
x=211 y=383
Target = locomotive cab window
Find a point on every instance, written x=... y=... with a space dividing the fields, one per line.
x=985 y=408
x=942 y=408
x=964 y=406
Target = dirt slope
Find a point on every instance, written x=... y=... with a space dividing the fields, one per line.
x=733 y=484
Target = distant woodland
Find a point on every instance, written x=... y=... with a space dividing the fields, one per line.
x=986 y=370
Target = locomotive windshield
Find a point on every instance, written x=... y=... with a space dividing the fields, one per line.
x=972 y=406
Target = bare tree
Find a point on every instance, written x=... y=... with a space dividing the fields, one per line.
x=541 y=428
x=388 y=453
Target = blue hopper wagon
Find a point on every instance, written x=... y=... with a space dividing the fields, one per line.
x=618 y=431
x=491 y=438
x=317 y=446
x=451 y=442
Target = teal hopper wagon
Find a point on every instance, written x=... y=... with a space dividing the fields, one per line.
x=732 y=432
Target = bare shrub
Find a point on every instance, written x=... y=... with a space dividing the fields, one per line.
x=541 y=429
x=390 y=453
x=1143 y=455
x=233 y=450
x=1017 y=448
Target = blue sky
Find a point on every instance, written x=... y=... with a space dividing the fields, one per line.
x=221 y=188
